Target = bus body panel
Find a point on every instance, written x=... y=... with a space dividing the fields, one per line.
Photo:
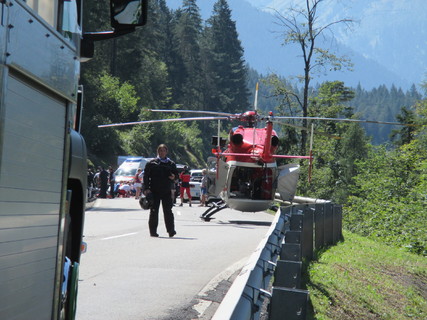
x=39 y=71
x=37 y=50
x=43 y=165
x=31 y=187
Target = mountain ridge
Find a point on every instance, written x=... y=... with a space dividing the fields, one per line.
x=382 y=56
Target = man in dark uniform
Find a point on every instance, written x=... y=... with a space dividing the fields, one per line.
x=158 y=175
x=103 y=176
x=111 y=181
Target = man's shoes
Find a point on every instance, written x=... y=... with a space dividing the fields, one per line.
x=180 y=205
x=154 y=235
x=171 y=234
x=190 y=204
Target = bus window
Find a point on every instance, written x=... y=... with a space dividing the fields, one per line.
x=70 y=21
x=46 y=9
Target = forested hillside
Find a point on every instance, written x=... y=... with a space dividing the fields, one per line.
x=382 y=103
x=175 y=61
x=179 y=61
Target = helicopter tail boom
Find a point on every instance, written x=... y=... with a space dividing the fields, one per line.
x=292 y=157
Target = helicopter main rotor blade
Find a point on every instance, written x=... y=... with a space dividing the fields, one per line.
x=321 y=133
x=195 y=111
x=344 y=120
x=160 y=120
x=256 y=155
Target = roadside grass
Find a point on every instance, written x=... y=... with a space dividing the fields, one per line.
x=364 y=279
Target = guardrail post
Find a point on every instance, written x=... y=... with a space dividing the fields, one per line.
x=337 y=230
x=319 y=222
x=291 y=251
x=288 y=274
x=292 y=236
x=288 y=304
x=285 y=214
x=307 y=234
x=329 y=224
x=296 y=221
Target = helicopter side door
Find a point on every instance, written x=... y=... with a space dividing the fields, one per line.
x=287 y=181
x=217 y=174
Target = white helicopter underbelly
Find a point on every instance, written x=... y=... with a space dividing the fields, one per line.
x=246 y=205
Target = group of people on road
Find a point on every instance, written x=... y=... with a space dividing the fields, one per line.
x=102 y=180
x=156 y=182
x=103 y=184
x=185 y=178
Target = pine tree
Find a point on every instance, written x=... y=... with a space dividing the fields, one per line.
x=140 y=57
x=187 y=74
x=223 y=62
x=405 y=134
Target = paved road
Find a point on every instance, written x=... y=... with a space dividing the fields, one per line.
x=126 y=274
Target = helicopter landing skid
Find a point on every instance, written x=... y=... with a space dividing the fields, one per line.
x=216 y=206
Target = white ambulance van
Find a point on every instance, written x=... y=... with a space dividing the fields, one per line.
x=127 y=170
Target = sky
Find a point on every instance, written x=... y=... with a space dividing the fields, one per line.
x=391 y=34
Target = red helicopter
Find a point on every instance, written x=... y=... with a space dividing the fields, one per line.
x=244 y=176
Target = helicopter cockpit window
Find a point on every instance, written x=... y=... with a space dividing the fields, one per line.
x=252 y=183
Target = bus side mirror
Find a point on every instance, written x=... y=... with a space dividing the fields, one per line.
x=128 y=13
x=125 y=16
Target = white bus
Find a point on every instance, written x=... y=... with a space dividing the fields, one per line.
x=43 y=170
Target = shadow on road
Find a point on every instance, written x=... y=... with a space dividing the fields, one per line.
x=237 y=223
x=112 y=209
x=178 y=238
x=250 y=223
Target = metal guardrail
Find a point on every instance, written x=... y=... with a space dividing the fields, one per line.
x=295 y=234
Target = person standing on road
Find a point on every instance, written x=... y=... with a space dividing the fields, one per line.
x=158 y=176
x=185 y=178
x=103 y=177
x=111 y=181
x=90 y=183
x=204 y=189
x=138 y=182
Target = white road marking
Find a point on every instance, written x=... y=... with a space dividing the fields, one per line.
x=120 y=236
